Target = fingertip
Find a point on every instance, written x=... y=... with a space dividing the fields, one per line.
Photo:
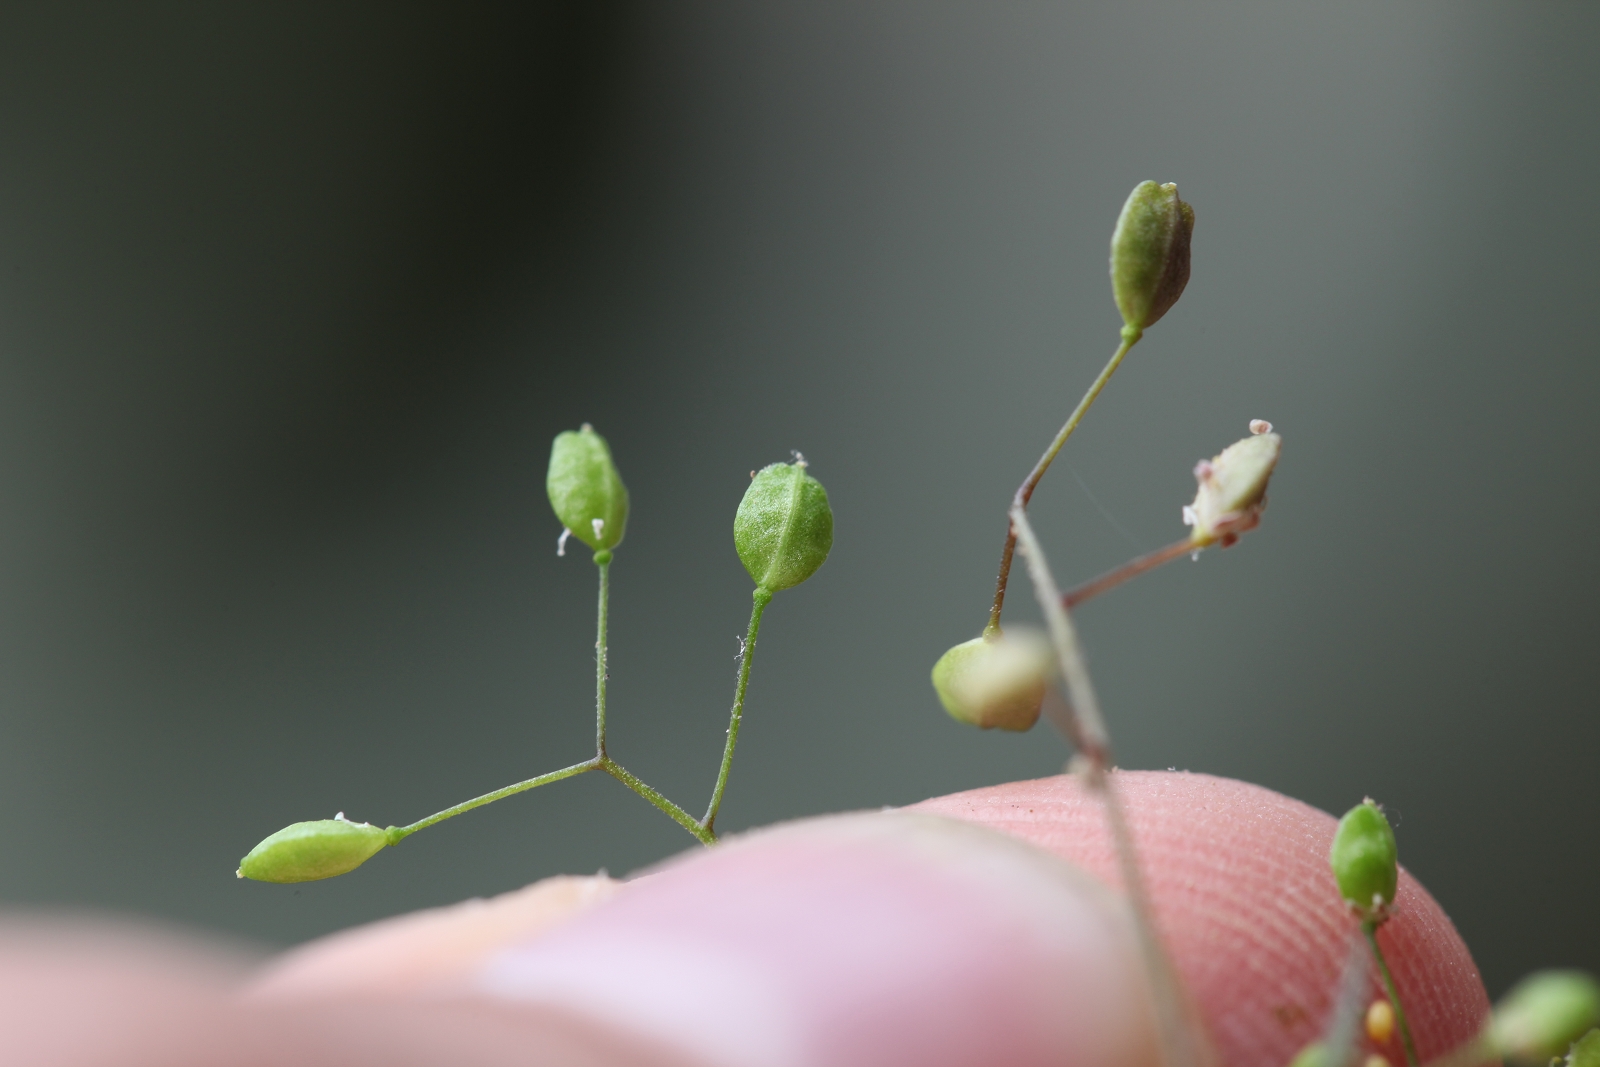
x=1239 y=879
x=428 y=949
x=868 y=939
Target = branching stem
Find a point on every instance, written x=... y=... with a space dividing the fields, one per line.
x=600 y=761
x=1130 y=337
x=1181 y=1044
x=397 y=834
x=1131 y=569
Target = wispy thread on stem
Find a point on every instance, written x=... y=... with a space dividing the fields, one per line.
x=1182 y=1042
x=1024 y=493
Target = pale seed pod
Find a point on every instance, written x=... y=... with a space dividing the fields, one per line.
x=1150 y=254
x=1365 y=860
x=585 y=489
x=995 y=682
x=307 y=851
x=1544 y=1014
x=1232 y=490
x=783 y=529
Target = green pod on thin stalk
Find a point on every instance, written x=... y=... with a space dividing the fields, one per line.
x=1150 y=254
x=783 y=529
x=585 y=489
x=1365 y=860
x=308 y=851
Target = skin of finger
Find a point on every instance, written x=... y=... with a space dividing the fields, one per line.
x=92 y=995
x=425 y=949
x=1238 y=876
x=880 y=939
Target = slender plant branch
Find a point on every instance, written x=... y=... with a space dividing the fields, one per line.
x=601 y=614
x=1130 y=337
x=1181 y=1042
x=746 y=654
x=654 y=796
x=1131 y=569
x=397 y=834
x=1370 y=928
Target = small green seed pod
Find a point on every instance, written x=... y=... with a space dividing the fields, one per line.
x=1232 y=490
x=995 y=682
x=1544 y=1014
x=1364 y=859
x=585 y=489
x=1150 y=254
x=784 y=527
x=307 y=851
x=1585 y=1051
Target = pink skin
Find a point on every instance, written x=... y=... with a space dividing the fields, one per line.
x=886 y=939
x=1239 y=878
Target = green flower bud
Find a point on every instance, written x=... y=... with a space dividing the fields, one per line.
x=585 y=489
x=1233 y=489
x=995 y=682
x=1544 y=1014
x=784 y=527
x=1364 y=859
x=1585 y=1051
x=1150 y=254
x=307 y=851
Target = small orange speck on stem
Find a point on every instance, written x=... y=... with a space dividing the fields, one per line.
x=1380 y=1024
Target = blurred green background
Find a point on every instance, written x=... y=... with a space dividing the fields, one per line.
x=293 y=299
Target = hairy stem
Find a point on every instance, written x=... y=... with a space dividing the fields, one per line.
x=1131 y=569
x=654 y=796
x=1370 y=928
x=603 y=561
x=1130 y=337
x=1181 y=1043
x=762 y=598
x=397 y=834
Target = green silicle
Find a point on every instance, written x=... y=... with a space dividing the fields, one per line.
x=307 y=851
x=585 y=489
x=784 y=527
x=1364 y=859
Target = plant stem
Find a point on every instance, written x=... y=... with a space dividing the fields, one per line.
x=654 y=796
x=601 y=614
x=397 y=834
x=1130 y=337
x=762 y=598
x=1131 y=569
x=1370 y=928
x=1181 y=1043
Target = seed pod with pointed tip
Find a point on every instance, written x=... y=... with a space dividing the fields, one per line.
x=1364 y=859
x=784 y=527
x=1232 y=490
x=585 y=489
x=307 y=851
x=1150 y=254
x=995 y=682
x=1544 y=1014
